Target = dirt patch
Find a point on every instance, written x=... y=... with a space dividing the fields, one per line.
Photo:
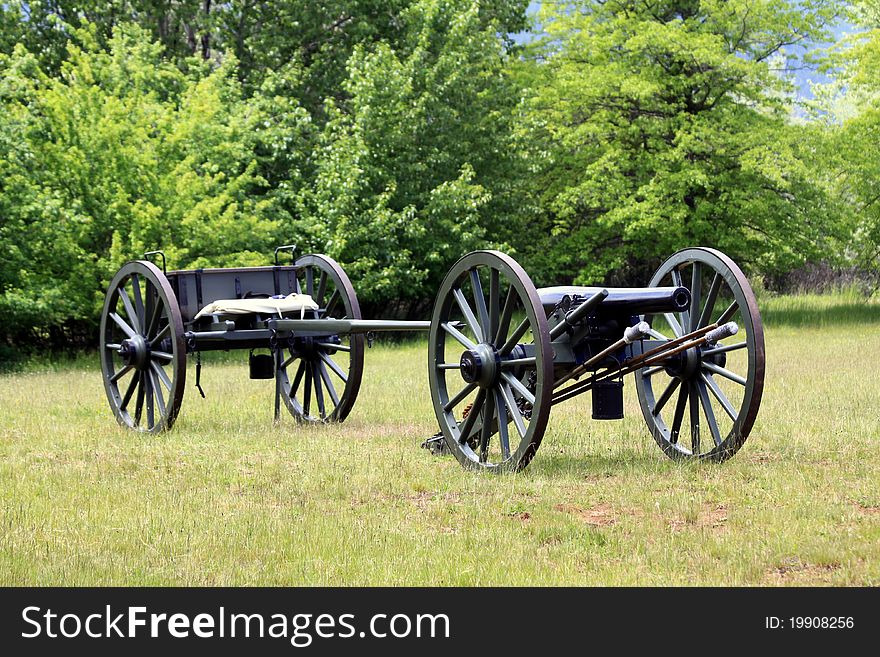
x=600 y=515
x=765 y=457
x=710 y=516
x=794 y=571
x=867 y=509
x=522 y=516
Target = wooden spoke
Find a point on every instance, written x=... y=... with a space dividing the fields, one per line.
x=696 y=293
x=503 y=438
x=129 y=331
x=709 y=412
x=494 y=305
x=651 y=371
x=685 y=317
x=300 y=371
x=661 y=401
x=517 y=385
x=153 y=325
x=287 y=361
x=506 y=314
x=139 y=406
x=157 y=391
x=139 y=303
x=125 y=370
x=335 y=367
x=673 y=324
x=151 y=414
x=331 y=389
x=132 y=386
x=472 y=416
x=449 y=366
x=679 y=414
x=307 y=390
x=719 y=395
x=482 y=311
x=162 y=355
x=694 y=405
x=721 y=349
x=727 y=374
x=310 y=282
x=163 y=377
x=164 y=333
x=322 y=288
x=458 y=335
x=709 y=308
x=469 y=316
x=455 y=401
x=130 y=312
x=319 y=393
x=332 y=302
x=486 y=429
x=728 y=313
x=515 y=414
x=513 y=340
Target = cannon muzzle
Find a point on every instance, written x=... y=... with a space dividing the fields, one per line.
x=623 y=300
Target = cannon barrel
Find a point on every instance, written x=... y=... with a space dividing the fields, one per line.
x=624 y=300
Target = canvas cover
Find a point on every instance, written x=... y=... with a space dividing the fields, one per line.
x=293 y=303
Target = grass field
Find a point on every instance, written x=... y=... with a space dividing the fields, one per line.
x=228 y=498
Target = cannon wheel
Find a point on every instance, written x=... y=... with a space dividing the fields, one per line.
x=143 y=352
x=721 y=382
x=319 y=378
x=489 y=353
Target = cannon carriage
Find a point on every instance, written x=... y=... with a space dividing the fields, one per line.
x=501 y=353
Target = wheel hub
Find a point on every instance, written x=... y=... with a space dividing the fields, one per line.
x=685 y=365
x=479 y=365
x=135 y=351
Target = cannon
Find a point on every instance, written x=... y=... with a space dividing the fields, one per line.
x=501 y=353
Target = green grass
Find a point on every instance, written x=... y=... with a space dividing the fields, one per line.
x=228 y=498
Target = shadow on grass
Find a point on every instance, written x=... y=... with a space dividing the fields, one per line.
x=599 y=466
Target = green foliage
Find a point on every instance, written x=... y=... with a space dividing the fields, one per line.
x=663 y=124
x=408 y=163
x=849 y=109
x=398 y=135
x=122 y=153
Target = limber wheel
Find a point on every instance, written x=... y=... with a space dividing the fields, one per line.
x=319 y=376
x=143 y=352
x=719 y=383
x=489 y=357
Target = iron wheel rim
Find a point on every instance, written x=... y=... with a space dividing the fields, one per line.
x=316 y=367
x=143 y=351
x=490 y=328
x=702 y=391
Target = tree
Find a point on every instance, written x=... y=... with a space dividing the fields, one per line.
x=416 y=154
x=849 y=110
x=664 y=123
x=122 y=153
